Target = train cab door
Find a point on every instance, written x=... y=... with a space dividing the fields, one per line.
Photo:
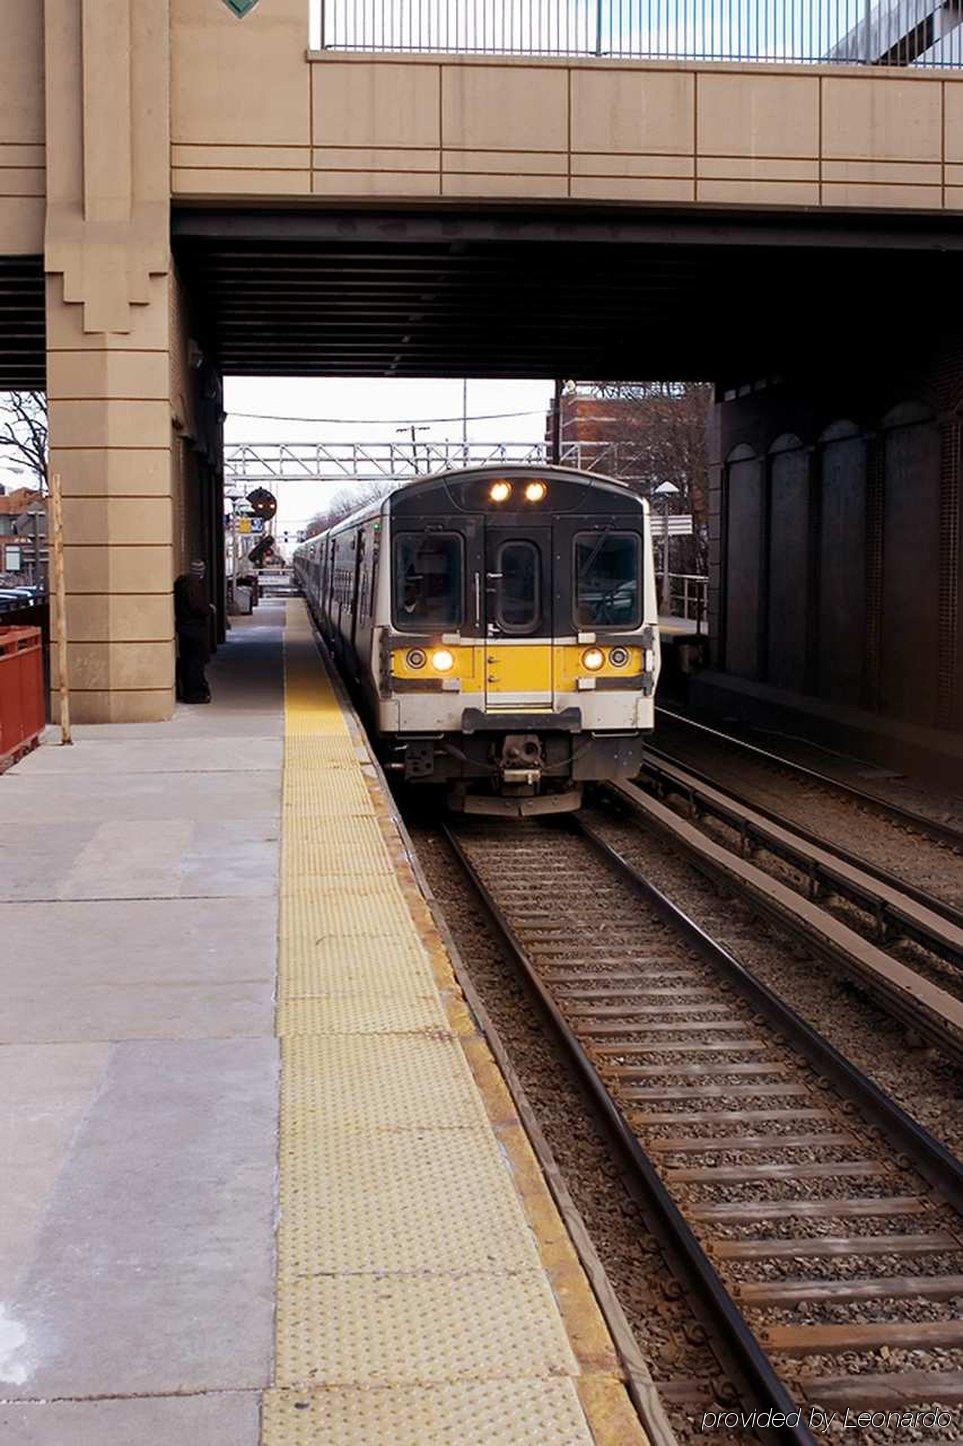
x=518 y=618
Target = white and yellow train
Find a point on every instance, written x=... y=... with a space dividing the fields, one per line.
x=499 y=629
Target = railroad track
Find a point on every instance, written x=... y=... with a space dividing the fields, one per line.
x=920 y=823
x=924 y=993
x=817 y=1226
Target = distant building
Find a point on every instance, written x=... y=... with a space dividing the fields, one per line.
x=23 y=537
x=644 y=433
x=606 y=430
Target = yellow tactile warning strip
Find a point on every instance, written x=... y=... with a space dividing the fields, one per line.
x=426 y=1288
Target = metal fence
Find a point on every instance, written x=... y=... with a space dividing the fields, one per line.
x=688 y=592
x=894 y=32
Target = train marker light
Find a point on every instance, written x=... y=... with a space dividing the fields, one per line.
x=500 y=491
x=593 y=658
x=535 y=492
x=442 y=661
x=618 y=657
x=416 y=658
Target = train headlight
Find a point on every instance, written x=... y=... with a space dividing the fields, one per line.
x=442 y=661
x=536 y=492
x=618 y=657
x=500 y=491
x=416 y=657
x=593 y=659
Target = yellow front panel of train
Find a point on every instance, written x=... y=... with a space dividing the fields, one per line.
x=518 y=676
x=569 y=667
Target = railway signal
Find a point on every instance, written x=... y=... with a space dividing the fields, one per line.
x=263 y=503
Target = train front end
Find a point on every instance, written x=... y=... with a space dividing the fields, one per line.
x=518 y=651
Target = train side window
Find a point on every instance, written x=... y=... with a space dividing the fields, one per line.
x=518 y=602
x=428 y=580
x=608 y=579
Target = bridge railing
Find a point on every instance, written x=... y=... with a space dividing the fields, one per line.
x=890 y=32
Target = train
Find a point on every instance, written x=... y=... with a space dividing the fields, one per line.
x=498 y=628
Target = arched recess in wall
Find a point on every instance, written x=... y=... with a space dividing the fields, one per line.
x=788 y=569
x=904 y=558
x=841 y=572
x=744 y=557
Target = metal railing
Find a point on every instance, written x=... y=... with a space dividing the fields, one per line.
x=894 y=32
x=689 y=594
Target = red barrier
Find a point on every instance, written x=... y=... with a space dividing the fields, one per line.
x=22 y=714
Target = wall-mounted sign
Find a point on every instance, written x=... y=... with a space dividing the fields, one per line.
x=240 y=7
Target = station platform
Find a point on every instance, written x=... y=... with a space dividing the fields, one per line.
x=675 y=627
x=265 y=1180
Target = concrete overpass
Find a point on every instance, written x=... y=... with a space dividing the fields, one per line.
x=184 y=194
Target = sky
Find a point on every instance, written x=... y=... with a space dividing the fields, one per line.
x=13 y=474
x=378 y=410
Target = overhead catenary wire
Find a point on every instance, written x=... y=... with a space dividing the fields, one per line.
x=387 y=421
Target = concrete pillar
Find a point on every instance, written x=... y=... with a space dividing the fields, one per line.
x=111 y=443
x=108 y=347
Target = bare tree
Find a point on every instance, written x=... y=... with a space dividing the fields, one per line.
x=656 y=432
x=345 y=500
x=24 y=431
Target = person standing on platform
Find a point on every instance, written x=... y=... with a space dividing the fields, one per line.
x=192 y=621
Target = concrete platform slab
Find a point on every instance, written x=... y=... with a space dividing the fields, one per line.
x=121 y=860
x=498 y=1413
x=222 y=1419
x=152 y=756
x=146 y=798
x=411 y=1330
x=138 y=878
x=375 y=1205
x=140 y=968
x=46 y=1093
x=152 y=1269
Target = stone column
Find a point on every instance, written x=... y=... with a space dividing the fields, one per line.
x=108 y=347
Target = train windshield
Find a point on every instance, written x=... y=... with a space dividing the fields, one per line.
x=428 y=580
x=518 y=604
x=608 y=579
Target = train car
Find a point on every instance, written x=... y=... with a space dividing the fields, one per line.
x=499 y=629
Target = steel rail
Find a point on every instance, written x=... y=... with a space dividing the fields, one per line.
x=804 y=849
x=744 y=1355
x=945 y=833
x=835 y=942
x=935 y=1163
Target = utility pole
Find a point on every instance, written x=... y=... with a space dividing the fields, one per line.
x=60 y=592
x=555 y=455
x=665 y=490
